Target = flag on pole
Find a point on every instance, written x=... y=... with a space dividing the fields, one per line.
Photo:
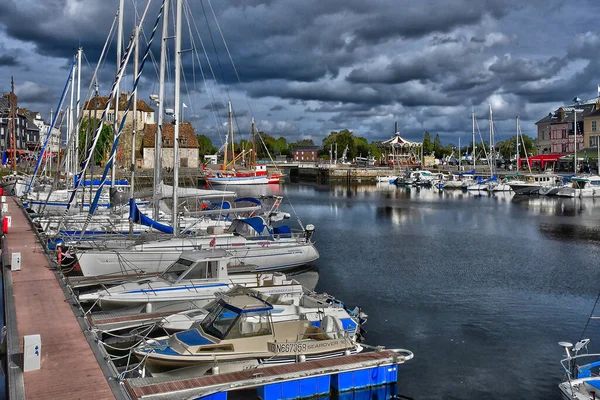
x=213 y=241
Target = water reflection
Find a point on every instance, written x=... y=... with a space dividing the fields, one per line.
x=491 y=282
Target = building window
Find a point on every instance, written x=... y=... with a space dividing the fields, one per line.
x=594 y=140
x=110 y=117
x=564 y=133
x=594 y=126
x=166 y=142
x=183 y=141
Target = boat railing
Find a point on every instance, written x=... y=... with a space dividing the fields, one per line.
x=567 y=363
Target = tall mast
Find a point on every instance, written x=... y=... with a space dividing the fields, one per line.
x=575 y=140
x=71 y=129
x=136 y=56
x=517 y=149
x=473 y=157
x=78 y=107
x=13 y=116
x=231 y=133
x=176 y=116
x=161 y=110
x=491 y=156
x=459 y=153
x=117 y=89
x=253 y=145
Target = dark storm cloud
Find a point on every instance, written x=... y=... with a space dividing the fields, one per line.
x=216 y=106
x=334 y=64
x=8 y=61
x=522 y=70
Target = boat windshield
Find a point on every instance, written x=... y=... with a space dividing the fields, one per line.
x=219 y=322
x=176 y=270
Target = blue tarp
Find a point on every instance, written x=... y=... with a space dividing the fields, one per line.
x=96 y=182
x=138 y=217
x=249 y=199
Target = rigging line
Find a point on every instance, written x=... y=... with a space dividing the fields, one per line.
x=60 y=102
x=72 y=137
x=152 y=58
x=218 y=121
x=112 y=95
x=126 y=111
x=228 y=52
x=215 y=50
x=590 y=317
x=79 y=120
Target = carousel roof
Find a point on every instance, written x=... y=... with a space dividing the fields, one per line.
x=399 y=141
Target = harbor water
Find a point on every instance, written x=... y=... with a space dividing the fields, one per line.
x=480 y=287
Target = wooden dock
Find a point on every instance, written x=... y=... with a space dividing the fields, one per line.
x=69 y=368
x=164 y=388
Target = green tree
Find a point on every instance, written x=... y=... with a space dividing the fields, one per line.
x=508 y=147
x=87 y=130
x=265 y=145
x=206 y=145
x=342 y=138
x=363 y=148
x=427 y=145
x=437 y=147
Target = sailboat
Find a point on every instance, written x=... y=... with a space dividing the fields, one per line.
x=256 y=175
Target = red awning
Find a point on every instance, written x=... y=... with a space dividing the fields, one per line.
x=541 y=158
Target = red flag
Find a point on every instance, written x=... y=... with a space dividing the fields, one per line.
x=213 y=241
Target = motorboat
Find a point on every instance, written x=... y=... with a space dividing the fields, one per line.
x=194 y=279
x=531 y=184
x=391 y=179
x=458 y=181
x=248 y=240
x=582 y=186
x=310 y=306
x=415 y=178
x=240 y=333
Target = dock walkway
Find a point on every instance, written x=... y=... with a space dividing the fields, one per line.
x=69 y=369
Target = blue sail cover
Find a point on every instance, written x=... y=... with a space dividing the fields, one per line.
x=248 y=199
x=138 y=217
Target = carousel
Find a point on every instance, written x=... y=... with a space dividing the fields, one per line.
x=400 y=151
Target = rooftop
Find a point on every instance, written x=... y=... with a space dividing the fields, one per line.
x=123 y=100
x=187 y=136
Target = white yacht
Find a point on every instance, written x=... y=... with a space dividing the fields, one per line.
x=583 y=186
x=193 y=279
x=531 y=184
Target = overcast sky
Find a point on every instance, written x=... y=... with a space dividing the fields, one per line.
x=310 y=67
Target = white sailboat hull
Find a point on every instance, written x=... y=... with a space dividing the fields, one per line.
x=156 y=257
x=233 y=180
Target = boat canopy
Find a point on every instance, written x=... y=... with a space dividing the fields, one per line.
x=248 y=227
